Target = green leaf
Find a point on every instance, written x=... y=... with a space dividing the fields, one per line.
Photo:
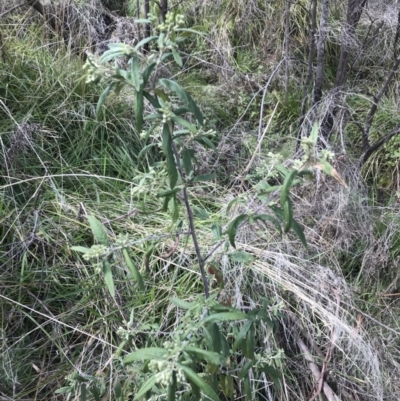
x=146 y=353
x=98 y=231
x=185 y=123
x=200 y=213
x=177 y=57
x=147 y=386
x=272 y=373
x=288 y=213
x=233 y=226
x=145 y=149
x=209 y=356
x=144 y=41
x=187 y=160
x=103 y=97
x=171 y=164
x=108 y=278
x=184 y=97
x=245 y=369
x=147 y=73
x=169 y=192
x=216 y=229
x=133 y=269
x=184 y=304
x=172 y=388
x=80 y=249
x=135 y=72
x=204 y=177
x=83 y=392
x=64 y=390
x=225 y=317
x=154 y=102
x=227 y=386
x=314 y=134
x=299 y=231
x=250 y=343
x=206 y=142
x=247 y=389
x=267 y=217
x=287 y=184
x=117 y=390
x=242 y=257
x=139 y=106
x=216 y=336
x=199 y=382
x=242 y=334
x=174 y=208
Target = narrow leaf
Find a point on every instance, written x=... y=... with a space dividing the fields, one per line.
x=242 y=334
x=209 y=356
x=287 y=184
x=225 y=317
x=299 y=231
x=199 y=382
x=171 y=164
x=177 y=57
x=147 y=73
x=103 y=98
x=187 y=160
x=108 y=278
x=133 y=269
x=145 y=353
x=147 y=386
x=184 y=97
x=267 y=217
x=98 y=231
x=233 y=226
x=80 y=249
x=245 y=369
x=288 y=213
x=139 y=106
x=144 y=41
x=242 y=257
x=204 y=177
x=135 y=72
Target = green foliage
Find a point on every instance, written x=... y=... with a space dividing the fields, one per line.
x=199 y=352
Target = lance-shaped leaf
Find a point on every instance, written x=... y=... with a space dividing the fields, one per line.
x=108 y=278
x=195 y=379
x=139 y=106
x=133 y=269
x=103 y=97
x=98 y=231
x=145 y=353
x=233 y=226
x=171 y=163
x=184 y=97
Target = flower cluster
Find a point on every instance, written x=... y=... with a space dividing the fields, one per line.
x=93 y=69
x=164 y=372
x=167 y=113
x=96 y=252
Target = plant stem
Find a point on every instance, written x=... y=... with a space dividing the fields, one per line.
x=185 y=197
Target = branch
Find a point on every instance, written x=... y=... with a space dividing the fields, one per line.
x=378 y=144
x=200 y=259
